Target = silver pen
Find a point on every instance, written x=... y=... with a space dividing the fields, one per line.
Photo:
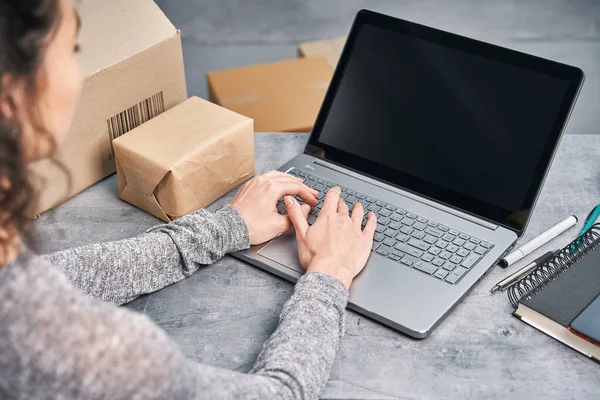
x=514 y=278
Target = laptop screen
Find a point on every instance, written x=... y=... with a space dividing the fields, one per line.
x=449 y=123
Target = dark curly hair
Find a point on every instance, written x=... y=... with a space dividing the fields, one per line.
x=26 y=26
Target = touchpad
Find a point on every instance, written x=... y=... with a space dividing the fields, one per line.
x=283 y=250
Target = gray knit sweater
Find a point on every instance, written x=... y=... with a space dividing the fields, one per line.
x=61 y=338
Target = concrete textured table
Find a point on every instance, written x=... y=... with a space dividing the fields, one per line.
x=224 y=313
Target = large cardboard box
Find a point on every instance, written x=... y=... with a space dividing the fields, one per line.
x=283 y=96
x=133 y=66
x=330 y=49
x=184 y=159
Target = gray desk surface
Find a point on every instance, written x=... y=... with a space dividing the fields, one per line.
x=223 y=314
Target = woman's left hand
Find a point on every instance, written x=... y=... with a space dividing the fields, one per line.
x=257 y=201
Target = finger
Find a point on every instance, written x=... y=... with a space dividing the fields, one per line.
x=370 y=226
x=297 y=217
x=331 y=201
x=305 y=210
x=291 y=179
x=275 y=174
x=342 y=207
x=296 y=189
x=358 y=213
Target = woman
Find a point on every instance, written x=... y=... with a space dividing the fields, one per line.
x=60 y=336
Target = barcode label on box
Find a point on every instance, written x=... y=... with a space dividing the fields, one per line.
x=133 y=117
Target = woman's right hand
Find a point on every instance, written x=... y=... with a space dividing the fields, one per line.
x=335 y=244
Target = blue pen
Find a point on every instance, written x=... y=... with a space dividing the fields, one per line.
x=590 y=220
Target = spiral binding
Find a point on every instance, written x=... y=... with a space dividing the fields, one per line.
x=544 y=274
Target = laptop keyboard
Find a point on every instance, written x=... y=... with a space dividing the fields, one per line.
x=404 y=237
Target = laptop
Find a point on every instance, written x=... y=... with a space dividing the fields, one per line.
x=448 y=140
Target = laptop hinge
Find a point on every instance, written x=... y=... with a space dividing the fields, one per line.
x=405 y=193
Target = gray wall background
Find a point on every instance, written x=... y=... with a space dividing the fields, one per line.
x=220 y=34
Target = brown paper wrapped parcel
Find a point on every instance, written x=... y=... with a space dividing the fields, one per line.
x=184 y=159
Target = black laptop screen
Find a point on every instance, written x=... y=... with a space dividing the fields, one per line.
x=459 y=127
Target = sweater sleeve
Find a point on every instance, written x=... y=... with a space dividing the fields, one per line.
x=120 y=271
x=58 y=340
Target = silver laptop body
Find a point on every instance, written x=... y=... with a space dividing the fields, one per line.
x=409 y=283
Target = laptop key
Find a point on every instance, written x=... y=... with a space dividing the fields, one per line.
x=438 y=262
x=394 y=256
x=456 y=259
x=448 y=237
x=390 y=232
x=375 y=246
x=389 y=242
x=480 y=250
x=383 y=250
x=351 y=192
x=435 y=251
x=380 y=203
x=434 y=232
x=456 y=275
x=432 y=224
x=452 y=248
x=427 y=257
x=383 y=220
x=464 y=236
x=445 y=255
x=411 y=215
x=406 y=261
x=449 y=266
x=419 y=244
x=407 y=230
x=408 y=221
x=454 y=232
x=395 y=225
x=396 y=217
x=311 y=219
x=463 y=252
x=430 y=239
x=470 y=260
x=486 y=245
x=409 y=250
x=442 y=244
x=418 y=235
x=401 y=237
x=443 y=228
x=302 y=173
x=361 y=196
x=370 y=199
x=398 y=254
x=459 y=242
x=425 y=267
x=420 y=226
x=380 y=228
x=422 y=220
x=441 y=274
x=351 y=199
x=470 y=246
x=401 y=211
x=385 y=212
x=378 y=237
x=475 y=240
x=373 y=207
x=390 y=207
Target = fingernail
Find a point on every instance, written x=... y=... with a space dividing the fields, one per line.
x=288 y=201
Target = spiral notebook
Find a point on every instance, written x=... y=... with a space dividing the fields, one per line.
x=562 y=290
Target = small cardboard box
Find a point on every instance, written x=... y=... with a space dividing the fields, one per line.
x=133 y=67
x=330 y=49
x=184 y=159
x=283 y=96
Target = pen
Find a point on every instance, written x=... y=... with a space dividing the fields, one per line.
x=590 y=220
x=514 y=278
x=538 y=242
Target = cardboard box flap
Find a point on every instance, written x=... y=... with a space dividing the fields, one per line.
x=114 y=30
